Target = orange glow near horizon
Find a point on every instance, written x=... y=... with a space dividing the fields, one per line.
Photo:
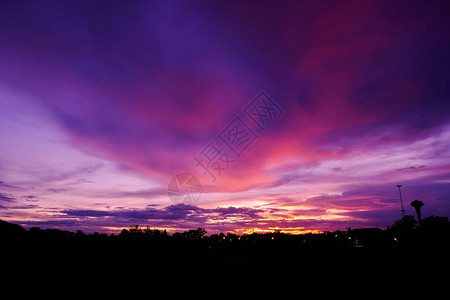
x=287 y=230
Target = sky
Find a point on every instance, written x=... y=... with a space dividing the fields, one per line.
x=299 y=116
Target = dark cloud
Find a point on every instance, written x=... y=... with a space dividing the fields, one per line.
x=86 y=213
x=3 y=184
x=174 y=216
x=57 y=190
x=82 y=180
x=28 y=206
x=147 y=193
x=172 y=212
x=6 y=197
x=60 y=223
x=411 y=168
x=236 y=211
x=32 y=198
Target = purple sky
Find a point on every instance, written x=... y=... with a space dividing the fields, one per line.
x=103 y=102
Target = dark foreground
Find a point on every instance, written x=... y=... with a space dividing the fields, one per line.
x=358 y=251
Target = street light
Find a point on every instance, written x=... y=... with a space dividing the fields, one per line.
x=401 y=200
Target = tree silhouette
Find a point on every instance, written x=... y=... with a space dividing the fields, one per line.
x=194 y=234
x=435 y=224
x=417 y=205
x=403 y=229
x=193 y=248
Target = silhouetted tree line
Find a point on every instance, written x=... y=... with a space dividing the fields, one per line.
x=433 y=230
x=194 y=246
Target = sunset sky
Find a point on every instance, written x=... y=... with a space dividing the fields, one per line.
x=103 y=102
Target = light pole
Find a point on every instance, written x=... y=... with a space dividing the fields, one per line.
x=401 y=200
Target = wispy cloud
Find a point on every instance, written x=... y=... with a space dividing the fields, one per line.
x=4 y=185
x=6 y=197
